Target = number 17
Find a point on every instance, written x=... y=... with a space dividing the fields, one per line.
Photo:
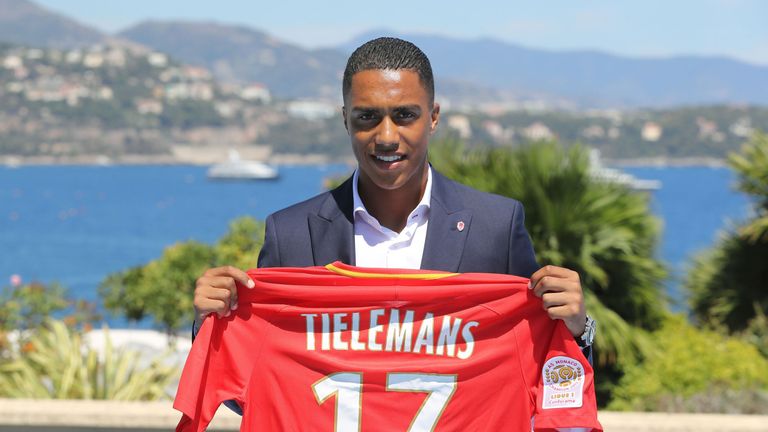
x=347 y=386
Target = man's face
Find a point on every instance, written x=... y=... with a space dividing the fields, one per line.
x=390 y=119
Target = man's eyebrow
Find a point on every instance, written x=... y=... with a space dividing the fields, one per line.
x=413 y=107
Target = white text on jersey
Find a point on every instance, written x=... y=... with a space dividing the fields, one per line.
x=341 y=331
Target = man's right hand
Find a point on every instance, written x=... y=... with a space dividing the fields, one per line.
x=216 y=292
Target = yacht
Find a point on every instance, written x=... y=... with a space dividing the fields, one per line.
x=600 y=172
x=239 y=169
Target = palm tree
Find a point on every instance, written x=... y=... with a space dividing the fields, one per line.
x=752 y=167
x=729 y=283
x=602 y=230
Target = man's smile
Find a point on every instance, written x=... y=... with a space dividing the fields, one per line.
x=389 y=158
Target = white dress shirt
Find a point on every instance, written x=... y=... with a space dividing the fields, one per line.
x=379 y=246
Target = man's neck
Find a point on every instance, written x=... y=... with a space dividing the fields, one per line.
x=392 y=207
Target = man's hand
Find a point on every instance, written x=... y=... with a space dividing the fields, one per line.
x=216 y=291
x=560 y=291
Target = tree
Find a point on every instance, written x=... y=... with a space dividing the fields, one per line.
x=603 y=231
x=727 y=284
x=162 y=289
x=752 y=167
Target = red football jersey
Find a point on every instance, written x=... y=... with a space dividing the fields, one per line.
x=341 y=348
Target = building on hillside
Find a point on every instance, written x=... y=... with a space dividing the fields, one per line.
x=651 y=131
x=708 y=130
x=593 y=132
x=157 y=59
x=499 y=133
x=149 y=106
x=256 y=92
x=538 y=131
x=93 y=60
x=196 y=73
x=73 y=56
x=311 y=110
x=460 y=123
x=13 y=62
x=742 y=127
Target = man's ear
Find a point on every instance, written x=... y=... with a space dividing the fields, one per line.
x=435 y=117
x=344 y=116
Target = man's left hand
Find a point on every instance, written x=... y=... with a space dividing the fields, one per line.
x=560 y=291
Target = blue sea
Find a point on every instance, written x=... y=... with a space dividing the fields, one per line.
x=77 y=224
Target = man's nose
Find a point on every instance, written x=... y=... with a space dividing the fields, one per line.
x=387 y=134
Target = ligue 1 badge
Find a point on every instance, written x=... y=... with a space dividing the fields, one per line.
x=563 y=383
x=460 y=226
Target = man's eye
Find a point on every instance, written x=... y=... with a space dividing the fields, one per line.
x=366 y=116
x=406 y=115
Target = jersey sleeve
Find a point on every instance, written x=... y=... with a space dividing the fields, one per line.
x=218 y=367
x=559 y=378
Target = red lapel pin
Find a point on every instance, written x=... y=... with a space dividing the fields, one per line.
x=460 y=226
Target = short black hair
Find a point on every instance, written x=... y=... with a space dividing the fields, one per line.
x=388 y=53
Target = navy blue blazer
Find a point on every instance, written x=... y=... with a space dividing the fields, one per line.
x=320 y=230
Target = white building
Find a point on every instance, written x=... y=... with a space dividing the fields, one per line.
x=256 y=92
x=460 y=123
x=311 y=110
x=651 y=131
x=538 y=131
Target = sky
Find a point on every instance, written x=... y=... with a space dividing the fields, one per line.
x=641 y=28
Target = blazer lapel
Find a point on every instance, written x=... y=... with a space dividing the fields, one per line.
x=331 y=230
x=449 y=223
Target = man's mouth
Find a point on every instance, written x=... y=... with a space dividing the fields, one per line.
x=389 y=158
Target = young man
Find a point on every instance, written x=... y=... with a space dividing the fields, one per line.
x=396 y=211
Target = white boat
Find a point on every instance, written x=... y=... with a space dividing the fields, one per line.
x=238 y=169
x=603 y=173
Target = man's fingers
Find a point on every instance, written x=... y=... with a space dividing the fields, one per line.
x=224 y=295
x=554 y=284
x=232 y=272
x=551 y=271
x=574 y=320
x=208 y=306
x=553 y=300
x=213 y=287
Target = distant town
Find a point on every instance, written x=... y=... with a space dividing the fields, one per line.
x=118 y=103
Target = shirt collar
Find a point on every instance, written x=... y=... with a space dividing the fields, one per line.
x=421 y=208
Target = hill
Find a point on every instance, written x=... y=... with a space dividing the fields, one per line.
x=591 y=79
x=469 y=72
x=25 y=23
x=241 y=54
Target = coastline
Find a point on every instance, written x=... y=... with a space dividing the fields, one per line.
x=127 y=160
x=14 y=161
x=667 y=162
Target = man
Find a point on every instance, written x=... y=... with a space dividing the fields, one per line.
x=396 y=211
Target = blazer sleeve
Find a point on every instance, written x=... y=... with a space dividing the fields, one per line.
x=522 y=259
x=269 y=256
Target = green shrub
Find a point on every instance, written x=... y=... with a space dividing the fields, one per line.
x=55 y=364
x=697 y=371
x=26 y=307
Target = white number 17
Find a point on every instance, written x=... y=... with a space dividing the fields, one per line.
x=347 y=386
